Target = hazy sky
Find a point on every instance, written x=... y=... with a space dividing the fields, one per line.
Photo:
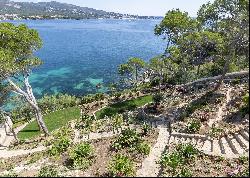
x=140 y=7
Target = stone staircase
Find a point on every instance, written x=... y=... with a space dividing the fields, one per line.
x=231 y=146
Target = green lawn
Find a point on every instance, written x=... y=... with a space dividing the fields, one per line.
x=121 y=107
x=53 y=121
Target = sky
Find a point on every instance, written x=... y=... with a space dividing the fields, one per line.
x=138 y=7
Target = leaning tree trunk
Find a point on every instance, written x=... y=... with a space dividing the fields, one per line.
x=29 y=96
x=33 y=102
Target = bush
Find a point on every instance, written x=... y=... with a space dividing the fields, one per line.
x=172 y=160
x=128 y=139
x=143 y=148
x=215 y=131
x=117 y=121
x=157 y=98
x=187 y=151
x=184 y=172
x=193 y=126
x=146 y=128
x=10 y=174
x=82 y=156
x=245 y=108
x=121 y=166
x=59 y=146
x=48 y=171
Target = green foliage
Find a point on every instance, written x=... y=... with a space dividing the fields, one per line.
x=17 y=42
x=48 y=171
x=10 y=174
x=131 y=71
x=215 y=131
x=57 y=102
x=82 y=156
x=185 y=172
x=121 y=166
x=243 y=159
x=117 y=121
x=146 y=128
x=193 y=126
x=128 y=139
x=245 y=108
x=157 y=98
x=59 y=146
x=182 y=154
x=187 y=151
x=143 y=148
x=172 y=160
x=174 y=24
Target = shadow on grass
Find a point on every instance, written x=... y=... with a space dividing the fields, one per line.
x=29 y=131
x=121 y=107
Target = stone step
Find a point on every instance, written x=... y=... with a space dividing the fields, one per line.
x=231 y=145
x=216 y=147
x=245 y=135
x=226 y=149
x=241 y=141
x=207 y=147
x=238 y=147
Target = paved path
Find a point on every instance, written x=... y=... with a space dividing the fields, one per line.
x=150 y=167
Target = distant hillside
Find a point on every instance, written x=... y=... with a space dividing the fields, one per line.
x=53 y=9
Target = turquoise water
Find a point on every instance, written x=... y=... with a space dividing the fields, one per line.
x=78 y=55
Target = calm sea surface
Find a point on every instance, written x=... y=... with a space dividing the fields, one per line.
x=78 y=55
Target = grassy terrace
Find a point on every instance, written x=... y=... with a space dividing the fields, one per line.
x=122 y=106
x=53 y=121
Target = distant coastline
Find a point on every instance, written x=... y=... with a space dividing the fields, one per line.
x=11 y=10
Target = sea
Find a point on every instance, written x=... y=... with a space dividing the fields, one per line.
x=78 y=55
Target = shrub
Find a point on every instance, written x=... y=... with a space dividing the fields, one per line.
x=187 y=151
x=117 y=121
x=184 y=172
x=10 y=174
x=82 y=156
x=143 y=148
x=128 y=139
x=243 y=159
x=172 y=160
x=121 y=166
x=245 y=109
x=157 y=98
x=193 y=126
x=215 y=131
x=146 y=128
x=59 y=146
x=48 y=171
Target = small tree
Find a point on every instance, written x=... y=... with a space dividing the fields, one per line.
x=17 y=45
x=157 y=66
x=132 y=70
x=174 y=24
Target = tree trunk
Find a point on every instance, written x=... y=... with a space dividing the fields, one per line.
x=225 y=70
x=34 y=104
x=41 y=122
x=29 y=96
x=12 y=130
